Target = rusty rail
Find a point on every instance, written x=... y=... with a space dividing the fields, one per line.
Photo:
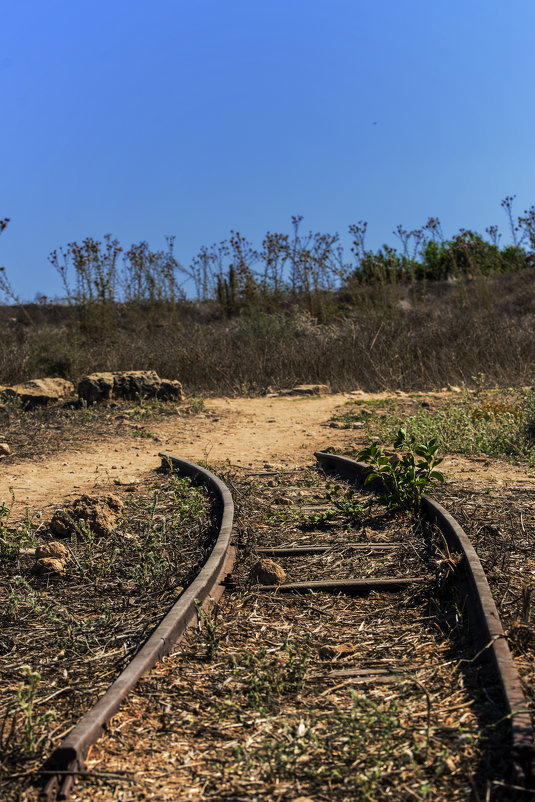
x=351 y=587
x=68 y=758
x=485 y=621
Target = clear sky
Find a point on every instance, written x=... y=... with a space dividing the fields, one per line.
x=193 y=117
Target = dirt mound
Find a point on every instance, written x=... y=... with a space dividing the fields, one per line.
x=98 y=514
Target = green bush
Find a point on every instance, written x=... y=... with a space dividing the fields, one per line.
x=404 y=479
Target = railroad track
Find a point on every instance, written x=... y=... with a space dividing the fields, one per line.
x=68 y=759
x=396 y=577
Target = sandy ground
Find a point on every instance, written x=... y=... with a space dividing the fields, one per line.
x=259 y=433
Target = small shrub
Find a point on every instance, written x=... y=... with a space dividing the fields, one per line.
x=404 y=479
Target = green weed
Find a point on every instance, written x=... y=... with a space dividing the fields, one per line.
x=403 y=479
x=345 y=502
x=25 y=697
x=189 y=500
x=192 y=406
x=211 y=625
x=144 y=433
x=19 y=536
x=265 y=678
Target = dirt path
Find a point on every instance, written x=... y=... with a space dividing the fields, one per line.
x=250 y=432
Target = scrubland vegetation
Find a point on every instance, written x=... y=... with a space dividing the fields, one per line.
x=296 y=309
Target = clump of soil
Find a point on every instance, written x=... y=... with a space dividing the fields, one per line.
x=49 y=565
x=54 y=549
x=99 y=514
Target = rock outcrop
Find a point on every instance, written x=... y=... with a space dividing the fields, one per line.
x=38 y=392
x=130 y=385
x=306 y=389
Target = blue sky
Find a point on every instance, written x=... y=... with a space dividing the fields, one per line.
x=143 y=119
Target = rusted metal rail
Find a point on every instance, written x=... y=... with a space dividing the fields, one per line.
x=301 y=551
x=68 y=758
x=351 y=587
x=485 y=623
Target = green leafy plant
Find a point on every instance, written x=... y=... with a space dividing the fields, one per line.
x=404 y=478
x=189 y=500
x=344 y=501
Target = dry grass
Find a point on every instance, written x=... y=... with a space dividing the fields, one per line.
x=379 y=337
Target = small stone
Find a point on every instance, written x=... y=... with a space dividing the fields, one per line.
x=282 y=500
x=54 y=549
x=125 y=481
x=267 y=572
x=5 y=450
x=332 y=652
x=48 y=565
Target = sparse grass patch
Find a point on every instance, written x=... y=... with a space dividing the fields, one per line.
x=144 y=433
x=78 y=628
x=15 y=536
x=264 y=678
x=192 y=406
x=355 y=746
x=499 y=423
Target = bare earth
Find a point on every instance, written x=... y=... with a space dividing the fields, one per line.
x=250 y=432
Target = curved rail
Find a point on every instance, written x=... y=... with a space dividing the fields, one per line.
x=485 y=619
x=68 y=759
